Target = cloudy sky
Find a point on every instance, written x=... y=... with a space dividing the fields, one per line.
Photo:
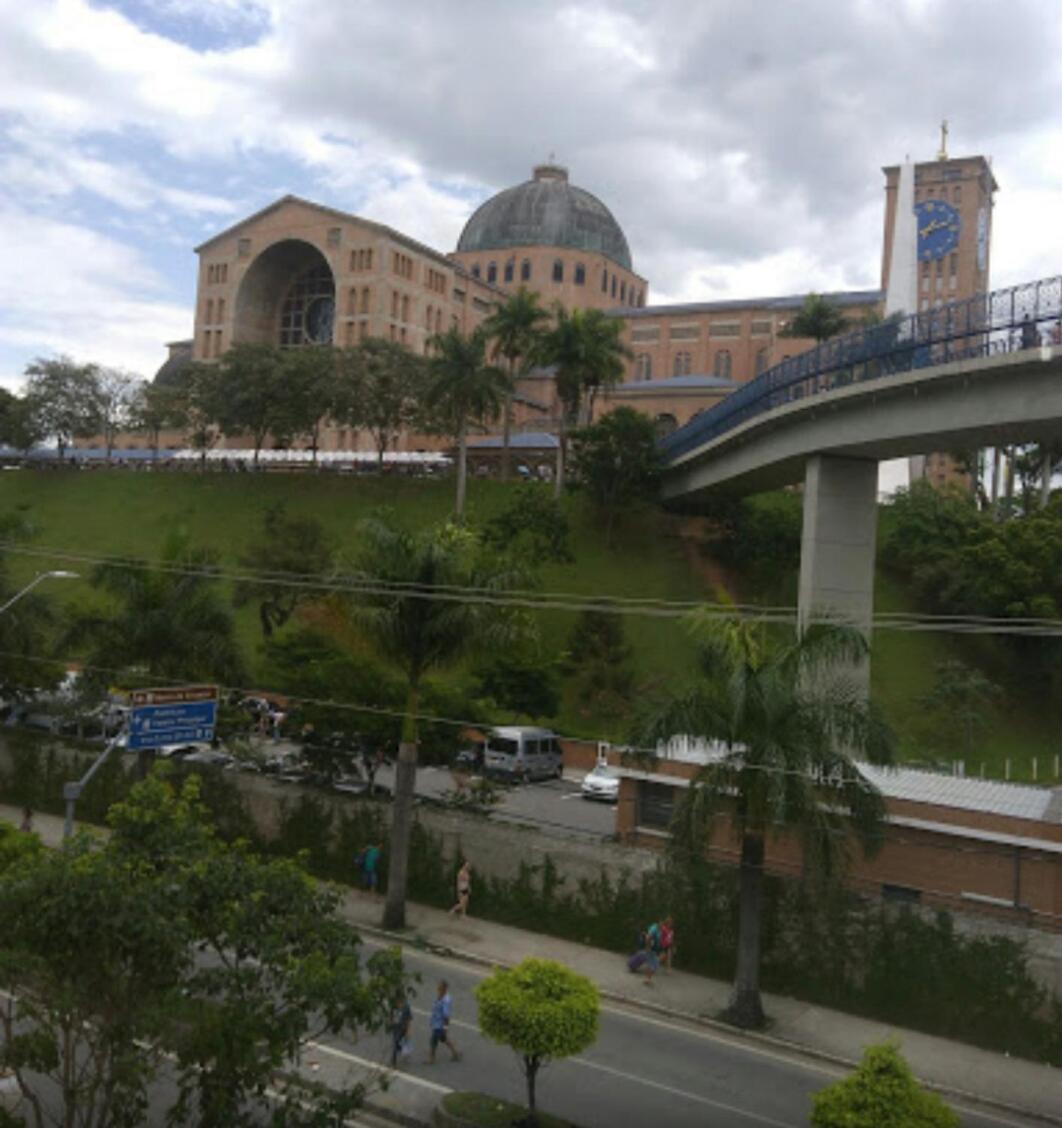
x=739 y=144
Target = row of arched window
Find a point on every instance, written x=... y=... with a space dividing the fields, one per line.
x=682 y=364
x=610 y=284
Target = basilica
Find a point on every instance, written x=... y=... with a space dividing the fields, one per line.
x=299 y=272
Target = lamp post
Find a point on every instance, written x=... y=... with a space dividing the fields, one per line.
x=38 y=579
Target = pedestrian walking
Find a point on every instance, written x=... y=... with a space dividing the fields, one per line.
x=667 y=942
x=26 y=826
x=652 y=953
x=464 y=889
x=401 y=1031
x=440 y=1023
x=370 y=864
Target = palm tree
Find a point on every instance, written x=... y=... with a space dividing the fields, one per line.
x=585 y=346
x=789 y=724
x=818 y=318
x=516 y=330
x=462 y=389
x=418 y=633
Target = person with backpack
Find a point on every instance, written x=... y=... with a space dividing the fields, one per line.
x=369 y=861
x=401 y=1023
x=645 y=957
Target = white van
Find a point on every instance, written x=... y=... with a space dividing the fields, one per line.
x=524 y=753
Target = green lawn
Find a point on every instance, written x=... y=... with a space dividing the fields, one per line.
x=120 y=512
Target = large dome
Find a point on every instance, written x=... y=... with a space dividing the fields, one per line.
x=546 y=211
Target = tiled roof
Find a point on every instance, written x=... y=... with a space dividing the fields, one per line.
x=527 y=440
x=1019 y=801
x=784 y=302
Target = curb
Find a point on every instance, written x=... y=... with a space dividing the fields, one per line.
x=772 y=1040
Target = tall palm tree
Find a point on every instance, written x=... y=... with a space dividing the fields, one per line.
x=516 y=329
x=417 y=630
x=463 y=389
x=586 y=348
x=789 y=724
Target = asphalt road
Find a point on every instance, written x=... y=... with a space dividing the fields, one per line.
x=643 y=1070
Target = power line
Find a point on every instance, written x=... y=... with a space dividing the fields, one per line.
x=654 y=607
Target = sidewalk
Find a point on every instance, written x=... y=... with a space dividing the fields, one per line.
x=1010 y=1083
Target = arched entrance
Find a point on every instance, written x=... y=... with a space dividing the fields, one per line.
x=287 y=297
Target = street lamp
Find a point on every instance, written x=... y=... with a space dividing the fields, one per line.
x=39 y=578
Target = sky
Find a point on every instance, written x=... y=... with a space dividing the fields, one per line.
x=739 y=145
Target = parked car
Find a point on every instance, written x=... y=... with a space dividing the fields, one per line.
x=210 y=757
x=601 y=783
x=523 y=753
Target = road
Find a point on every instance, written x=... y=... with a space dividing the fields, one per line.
x=643 y=1070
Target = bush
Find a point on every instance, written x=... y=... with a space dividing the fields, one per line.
x=880 y=1093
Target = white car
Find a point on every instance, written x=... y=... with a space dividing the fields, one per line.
x=601 y=783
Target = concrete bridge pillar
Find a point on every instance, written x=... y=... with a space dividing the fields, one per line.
x=838 y=543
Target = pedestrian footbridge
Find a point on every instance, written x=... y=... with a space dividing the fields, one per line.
x=986 y=371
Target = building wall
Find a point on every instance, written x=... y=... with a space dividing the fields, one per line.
x=605 y=284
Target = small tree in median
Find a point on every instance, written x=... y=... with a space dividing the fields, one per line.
x=880 y=1093
x=543 y=1012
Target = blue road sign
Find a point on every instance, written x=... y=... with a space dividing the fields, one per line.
x=172 y=716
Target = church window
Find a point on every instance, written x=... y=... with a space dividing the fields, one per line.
x=643 y=367
x=613 y=285
x=492 y=272
x=956 y=194
x=405 y=307
x=206 y=344
x=308 y=312
x=221 y=309
x=352 y=300
x=427 y=318
x=682 y=364
x=623 y=292
x=365 y=291
x=475 y=270
x=402 y=335
x=525 y=270
x=761 y=361
x=580 y=274
x=243 y=248
x=665 y=423
x=363 y=330
x=208 y=317
x=723 y=364
x=558 y=270
x=394 y=330
x=348 y=334
x=333 y=236
x=509 y=268
x=438 y=321
x=604 y=281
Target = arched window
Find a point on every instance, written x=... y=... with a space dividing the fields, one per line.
x=613 y=285
x=604 y=281
x=682 y=364
x=475 y=271
x=308 y=310
x=723 y=364
x=558 y=270
x=580 y=274
x=761 y=361
x=665 y=423
x=643 y=367
x=509 y=268
x=492 y=272
x=525 y=270
x=623 y=292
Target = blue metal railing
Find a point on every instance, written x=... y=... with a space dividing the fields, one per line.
x=1001 y=321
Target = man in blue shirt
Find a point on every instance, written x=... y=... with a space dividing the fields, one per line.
x=370 y=860
x=440 y=1023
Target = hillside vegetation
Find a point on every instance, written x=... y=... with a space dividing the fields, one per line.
x=654 y=555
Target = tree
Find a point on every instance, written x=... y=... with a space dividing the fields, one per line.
x=516 y=328
x=166 y=938
x=520 y=684
x=418 y=633
x=380 y=384
x=155 y=407
x=298 y=550
x=533 y=527
x=818 y=318
x=790 y=725
x=63 y=398
x=880 y=1093
x=543 y=1011
x=115 y=394
x=463 y=390
x=245 y=392
x=18 y=426
x=166 y=620
x=961 y=698
x=587 y=350
x=616 y=460
x=309 y=393
x=598 y=661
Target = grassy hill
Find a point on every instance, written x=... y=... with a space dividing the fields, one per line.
x=655 y=555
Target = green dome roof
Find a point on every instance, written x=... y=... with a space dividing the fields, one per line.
x=546 y=211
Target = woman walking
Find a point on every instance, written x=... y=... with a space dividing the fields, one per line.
x=464 y=889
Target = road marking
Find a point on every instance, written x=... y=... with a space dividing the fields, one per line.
x=323 y=1047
